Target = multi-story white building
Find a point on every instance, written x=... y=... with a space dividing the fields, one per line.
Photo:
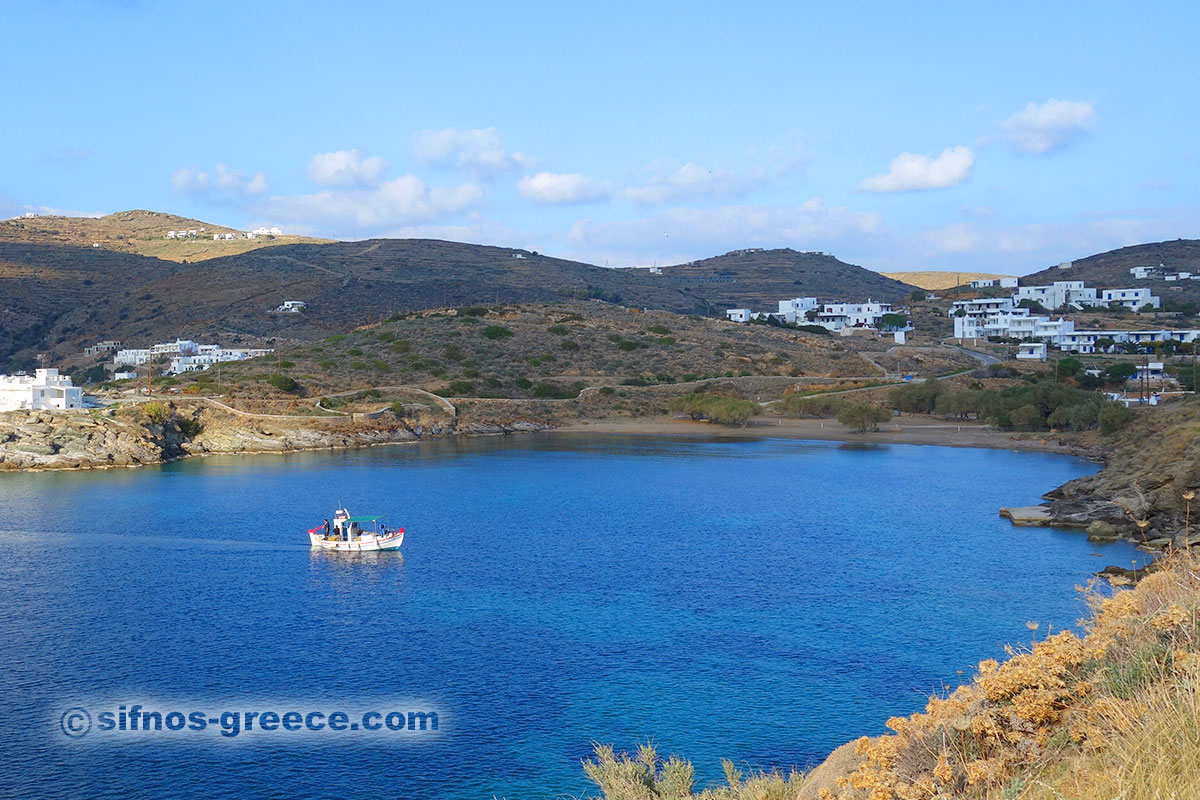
x=46 y=389
x=794 y=310
x=210 y=355
x=969 y=324
x=133 y=357
x=1130 y=298
x=1058 y=294
x=836 y=316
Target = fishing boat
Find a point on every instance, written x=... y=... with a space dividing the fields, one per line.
x=356 y=534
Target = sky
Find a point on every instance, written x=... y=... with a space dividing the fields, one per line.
x=991 y=137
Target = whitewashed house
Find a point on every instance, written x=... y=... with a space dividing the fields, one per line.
x=131 y=357
x=1130 y=298
x=794 y=310
x=46 y=389
x=1032 y=351
x=739 y=314
x=290 y=307
x=836 y=316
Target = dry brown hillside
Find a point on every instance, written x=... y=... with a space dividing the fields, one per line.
x=141 y=232
x=934 y=280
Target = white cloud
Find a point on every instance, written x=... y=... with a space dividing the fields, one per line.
x=475 y=231
x=691 y=180
x=346 y=168
x=478 y=149
x=913 y=171
x=704 y=231
x=1040 y=128
x=223 y=184
x=561 y=188
x=400 y=201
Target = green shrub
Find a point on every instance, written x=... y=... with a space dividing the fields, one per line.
x=326 y=363
x=158 y=412
x=401 y=346
x=559 y=330
x=354 y=351
x=1113 y=417
x=496 y=332
x=716 y=408
x=457 y=388
x=283 y=383
x=523 y=383
x=818 y=407
x=547 y=389
x=569 y=344
x=659 y=329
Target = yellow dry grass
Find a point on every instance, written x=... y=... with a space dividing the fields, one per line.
x=933 y=280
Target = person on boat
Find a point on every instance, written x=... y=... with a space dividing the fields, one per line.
x=326 y=529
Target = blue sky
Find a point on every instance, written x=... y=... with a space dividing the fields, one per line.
x=992 y=137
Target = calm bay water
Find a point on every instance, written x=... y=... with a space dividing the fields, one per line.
x=763 y=601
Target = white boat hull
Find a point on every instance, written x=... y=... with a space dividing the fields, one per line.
x=365 y=543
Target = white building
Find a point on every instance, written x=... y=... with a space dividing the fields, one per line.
x=124 y=376
x=209 y=355
x=290 y=307
x=1141 y=272
x=102 y=347
x=44 y=390
x=739 y=314
x=1152 y=371
x=988 y=283
x=970 y=316
x=1058 y=294
x=131 y=357
x=836 y=316
x=1130 y=298
x=793 y=310
x=1032 y=351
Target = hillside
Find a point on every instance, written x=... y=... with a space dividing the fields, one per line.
x=140 y=232
x=758 y=279
x=61 y=298
x=542 y=350
x=1111 y=269
x=934 y=280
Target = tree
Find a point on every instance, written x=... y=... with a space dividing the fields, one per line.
x=1113 y=417
x=1068 y=367
x=1032 y=305
x=917 y=296
x=1104 y=343
x=893 y=321
x=862 y=417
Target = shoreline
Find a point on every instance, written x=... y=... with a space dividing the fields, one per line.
x=900 y=430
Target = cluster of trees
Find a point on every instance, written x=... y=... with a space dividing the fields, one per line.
x=1029 y=406
x=715 y=408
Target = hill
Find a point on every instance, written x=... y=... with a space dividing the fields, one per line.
x=934 y=281
x=1111 y=269
x=542 y=350
x=60 y=297
x=758 y=279
x=138 y=231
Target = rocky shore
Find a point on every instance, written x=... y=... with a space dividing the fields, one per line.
x=1145 y=492
x=128 y=437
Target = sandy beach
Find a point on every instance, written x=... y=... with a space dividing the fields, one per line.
x=899 y=430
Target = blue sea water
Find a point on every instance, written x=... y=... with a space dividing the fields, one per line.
x=763 y=601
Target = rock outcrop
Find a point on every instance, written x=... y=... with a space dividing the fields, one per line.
x=128 y=437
